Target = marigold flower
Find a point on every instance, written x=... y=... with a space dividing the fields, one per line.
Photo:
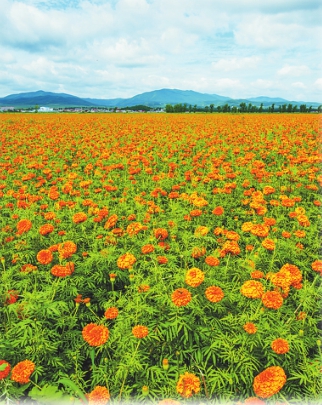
x=23 y=226
x=62 y=271
x=286 y=234
x=99 y=396
x=45 y=256
x=230 y=246
x=67 y=249
x=272 y=299
x=212 y=261
x=218 y=210
x=11 y=297
x=194 y=277
x=293 y=271
x=214 y=294
x=201 y=231
x=147 y=249
x=111 y=313
x=112 y=220
x=46 y=229
x=252 y=289
x=126 y=261
x=143 y=288
x=161 y=233
x=188 y=384
x=28 y=268
x=134 y=228
x=79 y=217
x=140 y=331
x=257 y=274
x=162 y=260
x=181 y=297
x=260 y=230
x=22 y=371
x=195 y=213
x=198 y=252
x=317 y=266
x=268 y=244
x=95 y=335
x=250 y=328
x=269 y=382
x=4 y=371
x=280 y=346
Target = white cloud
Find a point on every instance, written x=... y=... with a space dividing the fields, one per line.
x=299 y=85
x=294 y=71
x=232 y=64
x=318 y=83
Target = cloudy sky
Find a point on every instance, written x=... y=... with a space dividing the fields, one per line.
x=120 y=48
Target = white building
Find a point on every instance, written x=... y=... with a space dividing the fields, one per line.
x=45 y=109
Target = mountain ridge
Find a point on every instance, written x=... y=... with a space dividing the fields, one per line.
x=156 y=99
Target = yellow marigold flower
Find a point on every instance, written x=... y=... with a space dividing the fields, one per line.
x=194 y=277
x=294 y=273
x=22 y=371
x=188 y=384
x=99 y=396
x=272 y=299
x=140 y=331
x=214 y=294
x=126 y=261
x=269 y=382
x=280 y=346
x=181 y=297
x=201 y=231
x=250 y=328
x=95 y=335
x=268 y=244
x=252 y=289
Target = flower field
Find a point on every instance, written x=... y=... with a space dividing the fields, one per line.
x=160 y=258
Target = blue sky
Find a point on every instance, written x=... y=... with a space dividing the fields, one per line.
x=120 y=48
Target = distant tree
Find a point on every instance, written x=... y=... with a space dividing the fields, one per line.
x=273 y=107
x=260 y=108
x=211 y=108
x=194 y=109
x=319 y=108
x=234 y=109
x=242 y=107
x=36 y=108
x=206 y=108
x=219 y=109
x=289 y=108
x=294 y=109
x=310 y=109
x=303 y=108
x=225 y=108
x=284 y=108
x=169 y=108
x=190 y=108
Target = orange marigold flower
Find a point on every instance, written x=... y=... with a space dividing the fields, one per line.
x=272 y=299
x=112 y=220
x=46 y=229
x=63 y=271
x=218 y=210
x=162 y=260
x=126 y=261
x=140 y=331
x=143 y=288
x=280 y=346
x=28 y=268
x=269 y=382
x=257 y=274
x=214 y=294
x=147 y=249
x=201 y=231
x=22 y=371
x=181 y=297
x=11 y=297
x=250 y=328
x=212 y=261
x=23 y=226
x=99 y=396
x=111 y=313
x=95 y=335
x=195 y=213
x=4 y=371
x=198 y=252
x=45 y=256
x=188 y=384
x=252 y=289
x=260 y=230
x=230 y=246
x=66 y=249
x=194 y=277
x=79 y=217
x=294 y=271
x=317 y=266
x=286 y=234
x=161 y=233
x=268 y=244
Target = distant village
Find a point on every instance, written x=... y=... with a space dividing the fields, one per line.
x=144 y=109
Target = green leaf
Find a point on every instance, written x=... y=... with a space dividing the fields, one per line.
x=68 y=383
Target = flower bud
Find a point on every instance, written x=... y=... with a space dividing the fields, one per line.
x=165 y=364
x=145 y=390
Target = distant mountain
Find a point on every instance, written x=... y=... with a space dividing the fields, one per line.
x=154 y=99
x=43 y=98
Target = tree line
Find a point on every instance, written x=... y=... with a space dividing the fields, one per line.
x=243 y=108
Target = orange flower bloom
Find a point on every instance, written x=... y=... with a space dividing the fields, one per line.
x=198 y=252
x=194 y=277
x=111 y=313
x=95 y=335
x=99 y=396
x=63 y=271
x=218 y=210
x=269 y=382
x=23 y=226
x=212 y=261
x=147 y=249
x=188 y=384
x=45 y=256
x=181 y=297
x=66 y=249
x=214 y=294
x=112 y=220
x=28 y=268
x=268 y=244
x=79 y=217
x=140 y=331
x=11 y=297
x=126 y=261
x=257 y=274
x=162 y=260
x=294 y=273
x=252 y=289
x=250 y=328
x=272 y=299
x=161 y=233
x=201 y=231
x=4 y=372
x=143 y=288
x=230 y=246
x=317 y=266
x=280 y=346
x=46 y=229
x=22 y=371
x=260 y=230
x=195 y=213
